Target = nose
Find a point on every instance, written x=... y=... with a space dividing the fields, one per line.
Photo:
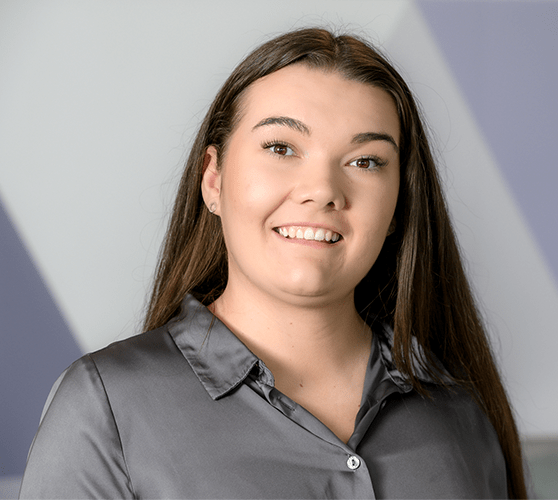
x=320 y=182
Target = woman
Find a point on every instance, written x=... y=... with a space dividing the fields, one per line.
x=311 y=332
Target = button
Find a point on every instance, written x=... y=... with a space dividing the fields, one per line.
x=353 y=462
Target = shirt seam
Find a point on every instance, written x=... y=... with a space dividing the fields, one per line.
x=115 y=426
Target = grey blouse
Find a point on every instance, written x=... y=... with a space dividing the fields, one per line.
x=187 y=411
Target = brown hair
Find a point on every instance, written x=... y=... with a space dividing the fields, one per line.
x=417 y=284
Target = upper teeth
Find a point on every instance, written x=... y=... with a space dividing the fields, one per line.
x=308 y=233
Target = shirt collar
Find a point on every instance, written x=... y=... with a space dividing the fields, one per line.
x=384 y=334
x=221 y=361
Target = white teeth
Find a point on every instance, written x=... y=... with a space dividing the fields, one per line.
x=308 y=233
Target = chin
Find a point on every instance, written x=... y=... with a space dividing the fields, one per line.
x=304 y=283
x=314 y=294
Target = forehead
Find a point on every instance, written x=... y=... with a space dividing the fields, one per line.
x=319 y=97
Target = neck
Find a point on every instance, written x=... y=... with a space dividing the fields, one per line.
x=299 y=340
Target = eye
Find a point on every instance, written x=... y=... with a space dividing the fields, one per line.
x=279 y=148
x=367 y=163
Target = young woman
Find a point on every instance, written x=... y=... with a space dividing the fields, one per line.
x=311 y=332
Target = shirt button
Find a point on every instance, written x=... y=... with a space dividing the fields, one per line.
x=353 y=462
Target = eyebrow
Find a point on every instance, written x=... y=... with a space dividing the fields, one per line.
x=297 y=125
x=374 y=136
x=284 y=121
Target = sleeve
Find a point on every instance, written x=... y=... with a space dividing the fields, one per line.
x=77 y=452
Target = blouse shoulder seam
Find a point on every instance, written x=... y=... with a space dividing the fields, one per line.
x=115 y=424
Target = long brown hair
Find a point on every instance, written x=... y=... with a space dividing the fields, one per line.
x=417 y=284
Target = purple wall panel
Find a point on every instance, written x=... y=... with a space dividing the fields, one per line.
x=504 y=56
x=36 y=345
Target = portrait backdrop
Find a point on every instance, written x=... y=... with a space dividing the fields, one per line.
x=99 y=101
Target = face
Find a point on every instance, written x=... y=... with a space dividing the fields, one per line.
x=308 y=186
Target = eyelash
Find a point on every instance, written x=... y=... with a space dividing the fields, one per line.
x=378 y=162
x=269 y=145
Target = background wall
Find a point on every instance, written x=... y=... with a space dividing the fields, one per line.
x=98 y=104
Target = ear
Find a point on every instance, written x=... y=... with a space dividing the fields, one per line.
x=211 y=181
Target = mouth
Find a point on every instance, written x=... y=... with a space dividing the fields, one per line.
x=308 y=234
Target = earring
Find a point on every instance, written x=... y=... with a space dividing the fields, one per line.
x=212 y=207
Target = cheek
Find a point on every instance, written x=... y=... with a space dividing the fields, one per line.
x=252 y=193
x=260 y=191
x=379 y=207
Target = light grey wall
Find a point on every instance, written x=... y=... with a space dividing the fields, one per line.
x=98 y=104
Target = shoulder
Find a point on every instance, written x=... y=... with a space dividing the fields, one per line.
x=445 y=413
x=125 y=362
x=84 y=387
x=130 y=371
x=145 y=353
x=77 y=435
x=92 y=410
x=445 y=438
x=98 y=383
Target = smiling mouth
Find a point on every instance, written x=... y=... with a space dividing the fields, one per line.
x=308 y=233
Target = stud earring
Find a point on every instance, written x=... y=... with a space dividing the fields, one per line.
x=212 y=207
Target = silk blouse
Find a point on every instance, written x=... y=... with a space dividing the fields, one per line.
x=188 y=411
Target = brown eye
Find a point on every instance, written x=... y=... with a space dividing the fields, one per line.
x=280 y=149
x=363 y=162
x=367 y=163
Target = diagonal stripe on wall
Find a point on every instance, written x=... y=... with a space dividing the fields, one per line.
x=36 y=345
x=503 y=54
